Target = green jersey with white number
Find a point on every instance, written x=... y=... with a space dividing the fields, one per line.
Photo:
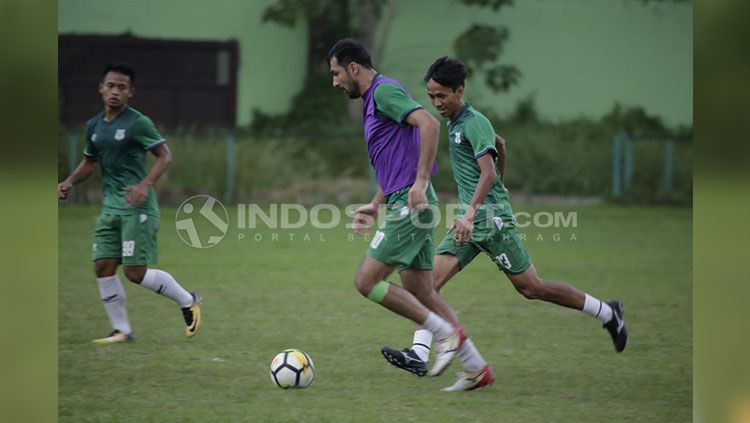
x=121 y=145
x=471 y=136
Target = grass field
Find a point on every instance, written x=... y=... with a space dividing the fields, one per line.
x=260 y=297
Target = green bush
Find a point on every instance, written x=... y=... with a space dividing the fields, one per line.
x=571 y=158
x=263 y=168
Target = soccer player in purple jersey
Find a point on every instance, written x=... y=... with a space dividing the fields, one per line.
x=401 y=141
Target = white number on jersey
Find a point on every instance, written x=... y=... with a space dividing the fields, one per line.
x=377 y=239
x=127 y=248
x=503 y=259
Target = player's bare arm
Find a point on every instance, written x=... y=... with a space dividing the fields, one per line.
x=364 y=215
x=500 y=147
x=138 y=193
x=85 y=169
x=465 y=225
x=429 y=131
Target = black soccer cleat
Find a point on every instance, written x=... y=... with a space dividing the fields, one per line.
x=192 y=315
x=405 y=359
x=616 y=326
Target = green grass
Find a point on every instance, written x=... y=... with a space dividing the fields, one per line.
x=260 y=297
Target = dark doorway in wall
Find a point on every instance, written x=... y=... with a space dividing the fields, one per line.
x=179 y=83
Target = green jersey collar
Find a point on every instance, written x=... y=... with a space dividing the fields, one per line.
x=461 y=113
x=117 y=116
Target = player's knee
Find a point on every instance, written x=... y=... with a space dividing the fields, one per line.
x=135 y=274
x=531 y=291
x=439 y=283
x=104 y=269
x=530 y=286
x=101 y=271
x=363 y=284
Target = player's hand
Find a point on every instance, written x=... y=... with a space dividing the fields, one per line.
x=364 y=218
x=62 y=189
x=417 y=197
x=368 y=209
x=464 y=228
x=136 y=194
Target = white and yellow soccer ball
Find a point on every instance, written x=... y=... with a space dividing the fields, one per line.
x=292 y=369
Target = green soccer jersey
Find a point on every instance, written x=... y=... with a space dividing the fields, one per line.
x=121 y=145
x=393 y=102
x=471 y=136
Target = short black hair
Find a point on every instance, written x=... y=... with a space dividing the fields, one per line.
x=120 y=67
x=448 y=72
x=348 y=50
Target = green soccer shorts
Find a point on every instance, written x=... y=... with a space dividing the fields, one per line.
x=405 y=238
x=131 y=238
x=500 y=242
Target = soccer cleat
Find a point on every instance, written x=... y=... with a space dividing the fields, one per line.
x=114 y=337
x=405 y=359
x=471 y=381
x=446 y=349
x=616 y=326
x=192 y=316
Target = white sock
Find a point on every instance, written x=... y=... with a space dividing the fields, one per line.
x=421 y=344
x=163 y=283
x=597 y=308
x=438 y=326
x=470 y=357
x=115 y=302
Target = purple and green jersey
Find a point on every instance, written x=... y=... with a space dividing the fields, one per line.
x=392 y=144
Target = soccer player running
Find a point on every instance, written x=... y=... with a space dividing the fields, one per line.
x=486 y=223
x=118 y=139
x=402 y=142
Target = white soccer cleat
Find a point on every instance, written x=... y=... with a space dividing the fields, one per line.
x=446 y=349
x=471 y=381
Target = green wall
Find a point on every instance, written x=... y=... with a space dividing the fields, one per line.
x=578 y=57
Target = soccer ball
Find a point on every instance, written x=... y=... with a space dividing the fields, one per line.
x=292 y=369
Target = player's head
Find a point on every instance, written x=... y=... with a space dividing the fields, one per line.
x=445 y=86
x=347 y=59
x=116 y=86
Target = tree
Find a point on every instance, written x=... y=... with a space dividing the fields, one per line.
x=328 y=21
x=481 y=46
x=317 y=107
